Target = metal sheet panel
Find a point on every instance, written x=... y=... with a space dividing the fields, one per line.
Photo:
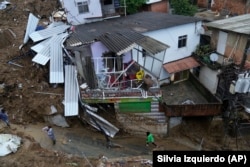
x=48 y=32
x=100 y=123
x=56 y=64
x=44 y=54
x=151 y=45
x=140 y=22
x=56 y=59
x=117 y=43
x=55 y=24
x=31 y=27
x=238 y=24
x=41 y=59
x=70 y=92
x=39 y=47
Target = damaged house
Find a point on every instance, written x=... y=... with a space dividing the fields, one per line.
x=132 y=57
x=123 y=62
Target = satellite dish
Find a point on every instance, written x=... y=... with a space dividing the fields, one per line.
x=213 y=57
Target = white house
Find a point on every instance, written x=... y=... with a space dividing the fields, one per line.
x=182 y=40
x=180 y=33
x=86 y=11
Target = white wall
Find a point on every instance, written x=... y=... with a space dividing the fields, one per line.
x=222 y=41
x=151 y=63
x=209 y=78
x=98 y=49
x=74 y=18
x=170 y=37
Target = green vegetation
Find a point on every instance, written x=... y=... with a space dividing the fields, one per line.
x=132 y=6
x=202 y=53
x=183 y=7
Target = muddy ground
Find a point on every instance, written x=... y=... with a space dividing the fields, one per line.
x=27 y=97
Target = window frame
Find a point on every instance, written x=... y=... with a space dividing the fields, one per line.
x=182 y=41
x=107 y=2
x=83 y=7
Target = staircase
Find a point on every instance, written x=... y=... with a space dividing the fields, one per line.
x=159 y=117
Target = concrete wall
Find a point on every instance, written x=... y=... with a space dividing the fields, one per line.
x=170 y=36
x=139 y=124
x=209 y=79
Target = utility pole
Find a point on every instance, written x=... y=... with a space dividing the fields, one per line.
x=125 y=7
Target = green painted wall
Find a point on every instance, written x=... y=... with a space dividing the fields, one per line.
x=135 y=107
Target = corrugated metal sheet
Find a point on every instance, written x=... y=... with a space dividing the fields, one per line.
x=39 y=47
x=98 y=122
x=48 y=32
x=56 y=59
x=123 y=41
x=117 y=43
x=70 y=92
x=31 y=27
x=43 y=56
x=55 y=24
x=140 y=22
x=74 y=41
x=151 y=45
x=181 y=65
x=238 y=24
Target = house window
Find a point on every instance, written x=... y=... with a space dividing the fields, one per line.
x=107 y=2
x=182 y=41
x=83 y=7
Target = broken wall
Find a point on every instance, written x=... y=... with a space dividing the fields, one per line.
x=139 y=124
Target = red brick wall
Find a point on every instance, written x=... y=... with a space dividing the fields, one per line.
x=234 y=6
x=160 y=7
x=202 y=3
x=157 y=7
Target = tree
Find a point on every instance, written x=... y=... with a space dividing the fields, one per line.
x=183 y=7
x=132 y=6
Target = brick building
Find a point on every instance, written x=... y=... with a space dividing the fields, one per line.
x=156 y=6
x=231 y=7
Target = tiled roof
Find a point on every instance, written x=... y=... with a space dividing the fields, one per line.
x=116 y=43
x=181 y=65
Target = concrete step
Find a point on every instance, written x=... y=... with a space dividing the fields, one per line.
x=158 y=116
x=154 y=106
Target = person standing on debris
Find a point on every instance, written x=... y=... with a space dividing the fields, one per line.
x=150 y=139
x=50 y=133
x=4 y=117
